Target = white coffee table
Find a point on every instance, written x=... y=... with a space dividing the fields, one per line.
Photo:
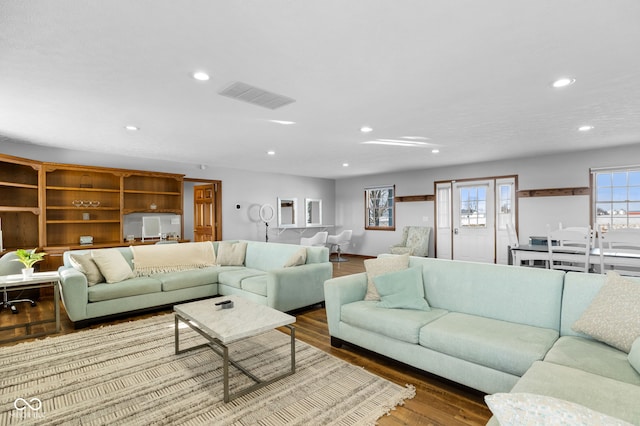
x=222 y=327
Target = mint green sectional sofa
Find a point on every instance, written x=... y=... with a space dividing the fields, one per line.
x=494 y=328
x=262 y=278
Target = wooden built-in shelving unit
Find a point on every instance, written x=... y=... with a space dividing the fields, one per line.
x=50 y=205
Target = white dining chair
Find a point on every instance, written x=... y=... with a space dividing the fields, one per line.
x=620 y=251
x=318 y=240
x=570 y=249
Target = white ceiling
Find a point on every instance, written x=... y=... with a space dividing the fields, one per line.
x=472 y=76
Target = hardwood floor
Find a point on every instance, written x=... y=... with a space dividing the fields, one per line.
x=437 y=401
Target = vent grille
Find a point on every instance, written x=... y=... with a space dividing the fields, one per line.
x=254 y=95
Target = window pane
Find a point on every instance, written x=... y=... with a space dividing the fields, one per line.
x=603 y=179
x=634 y=178
x=619 y=194
x=604 y=193
x=619 y=178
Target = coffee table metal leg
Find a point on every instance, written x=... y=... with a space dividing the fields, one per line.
x=222 y=350
x=225 y=368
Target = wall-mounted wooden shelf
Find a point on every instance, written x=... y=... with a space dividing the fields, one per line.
x=554 y=192
x=413 y=198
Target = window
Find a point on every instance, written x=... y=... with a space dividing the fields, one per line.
x=473 y=206
x=504 y=203
x=617 y=198
x=380 y=208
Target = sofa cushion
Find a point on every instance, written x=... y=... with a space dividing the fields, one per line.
x=231 y=254
x=602 y=394
x=85 y=264
x=594 y=357
x=613 y=316
x=501 y=345
x=112 y=265
x=234 y=277
x=298 y=258
x=515 y=409
x=256 y=285
x=402 y=289
x=130 y=287
x=379 y=266
x=401 y=324
x=634 y=355
x=189 y=278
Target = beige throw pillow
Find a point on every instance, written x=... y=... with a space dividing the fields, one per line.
x=85 y=264
x=613 y=317
x=298 y=258
x=231 y=254
x=112 y=265
x=379 y=266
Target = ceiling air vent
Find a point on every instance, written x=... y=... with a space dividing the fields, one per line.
x=255 y=95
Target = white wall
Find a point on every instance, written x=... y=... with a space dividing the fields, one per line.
x=557 y=171
x=249 y=189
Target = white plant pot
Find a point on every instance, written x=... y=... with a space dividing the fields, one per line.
x=27 y=272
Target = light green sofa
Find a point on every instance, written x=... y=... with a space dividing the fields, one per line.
x=495 y=328
x=262 y=279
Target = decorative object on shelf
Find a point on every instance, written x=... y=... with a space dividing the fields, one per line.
x=86 y=182
x=86 y=216
x=28 y=258
x=266 y=215
x=151 y=227
x=85 y=203
x=153 y=206
x=131 y=238
x=86 y=240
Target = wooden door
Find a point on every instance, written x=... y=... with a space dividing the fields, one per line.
x=204 y=212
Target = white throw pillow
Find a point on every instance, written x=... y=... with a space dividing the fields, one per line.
x=231 y=254
x=522 y=409
x=298 y=258
x=112 y=265
x=85 y=264
x=613 y=317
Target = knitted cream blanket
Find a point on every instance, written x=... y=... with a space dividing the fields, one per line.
x=172 y=257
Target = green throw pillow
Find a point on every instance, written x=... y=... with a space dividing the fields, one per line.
x=634 y=355
x=402 y=289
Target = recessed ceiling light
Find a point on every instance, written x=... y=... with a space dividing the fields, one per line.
x=366 y=129
x=200 y=75
x=563 y=82
x=132 y=128
x=585 y=128
x=416 y=138
x=271 y=153
x=345 y=164
x=283 y=122
x=435 y=151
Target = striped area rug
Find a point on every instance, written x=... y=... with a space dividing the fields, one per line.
x=128 y=374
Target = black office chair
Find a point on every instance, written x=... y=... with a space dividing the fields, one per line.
x=10 y=267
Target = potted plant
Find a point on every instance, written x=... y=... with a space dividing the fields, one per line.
x=28 y=258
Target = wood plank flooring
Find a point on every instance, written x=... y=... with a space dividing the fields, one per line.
x=437 y=401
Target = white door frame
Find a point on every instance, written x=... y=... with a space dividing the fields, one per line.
x=504 y=210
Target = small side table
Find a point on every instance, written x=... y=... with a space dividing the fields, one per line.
x=37 y=280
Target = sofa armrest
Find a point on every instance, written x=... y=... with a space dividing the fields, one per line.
x=340 y=291
x=297 y=286
x=75 y=293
